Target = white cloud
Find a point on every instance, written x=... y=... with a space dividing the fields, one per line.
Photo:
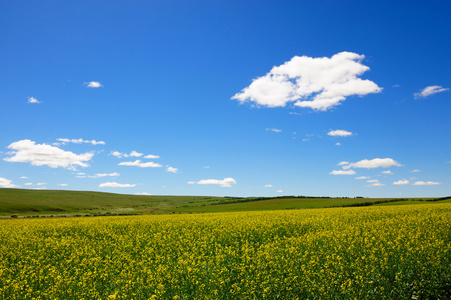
x=33 y=100
x=28 y=183
x=339 y=132
x=426 y=183
x=415 y=171
x=372 y=181
x=172 y=170
x=41 y=183
x=43 y=154
x=341 y=172
x=337 y=144
x=342 y=163
x=6 y=183
x=115 y=184
x=104 y=175
x=318 y=83
x=268 y=185
x=388 y=172
x=430 y=90
x=42 y=188
x=152 y=156
x=362 y=177
x=24 y=177
x=226 y=182
x=279 y=191
x=93 y=84
x=373 y=163
x=118 y=154
x=138 y=163
x=376 y=184
x=274 y=130
x=401 y=182
x=143 y=193
x=135 y=154
x=63 y=184
x=80 y=141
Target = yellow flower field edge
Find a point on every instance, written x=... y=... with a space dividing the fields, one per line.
x=392 y=252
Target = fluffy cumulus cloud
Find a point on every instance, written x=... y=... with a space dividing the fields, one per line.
x=81 y=141
x=33 y=100
x=115 y=185
x=373 y=163
x=342 y=172
x=172 y=170
x=6 y=183
x=318 y=83
x=401 y=182
x=135 y=154
x=226 y=182
x=150 y=156
x=46 y=155
x=93 y=84
x=430 y=90
x=426 y=183
x=138 y=163
x=339 y=132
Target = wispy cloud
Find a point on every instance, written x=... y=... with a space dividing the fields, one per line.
x=268 y=185
x=115 y=185
x=226 y=182
x=138 y=163
x=43 y=154
x=388 y=172
x=339 y=132
x=430 y=90
x=318 y=83
x=342 y=172
x=99 y=175
x=81 y=141
x=274 y=130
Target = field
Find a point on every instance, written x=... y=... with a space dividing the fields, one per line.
x=376 y=252
x=22 y=202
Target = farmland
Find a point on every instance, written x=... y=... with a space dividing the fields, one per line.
x=376 y=252
x=26 y=203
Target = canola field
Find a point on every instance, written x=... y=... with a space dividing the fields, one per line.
x=393 y=252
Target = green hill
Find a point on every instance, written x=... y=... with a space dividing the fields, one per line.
x=24 y=202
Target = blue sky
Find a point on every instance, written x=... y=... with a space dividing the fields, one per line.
x=234 y=98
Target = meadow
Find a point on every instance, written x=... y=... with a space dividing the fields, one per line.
x=376 y=252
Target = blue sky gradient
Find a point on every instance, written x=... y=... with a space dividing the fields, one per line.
x=163 y=75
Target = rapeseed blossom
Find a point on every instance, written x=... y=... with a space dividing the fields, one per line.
x=397 y=252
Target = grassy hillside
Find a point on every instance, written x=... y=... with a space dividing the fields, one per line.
x=53 y=202
x=20 y=201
